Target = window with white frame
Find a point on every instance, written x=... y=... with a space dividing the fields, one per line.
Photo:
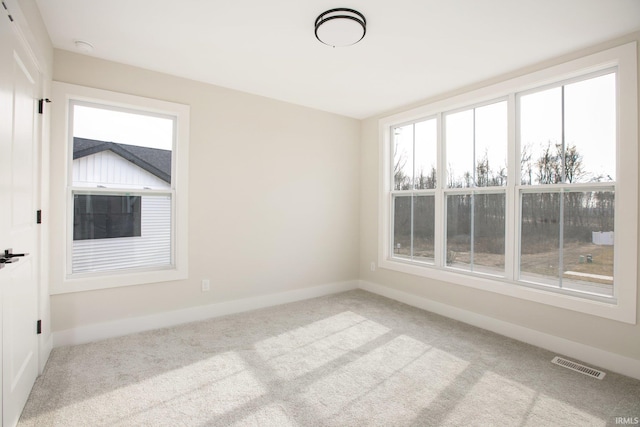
x=414 y=183
x=567 y=140
x=519 y=188
x=121 y=188
x=126 y=189
x=475 y=141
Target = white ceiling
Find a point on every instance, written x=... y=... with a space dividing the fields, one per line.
x=414 y=49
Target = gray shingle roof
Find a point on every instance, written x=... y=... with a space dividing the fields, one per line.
x=153 y=160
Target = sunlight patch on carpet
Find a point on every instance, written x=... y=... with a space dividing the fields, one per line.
x=269 y=415
x=309 y=356
x=308 y=334
x=493 y=397
x=404 y=373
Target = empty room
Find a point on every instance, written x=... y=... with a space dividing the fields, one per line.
x=358 y=213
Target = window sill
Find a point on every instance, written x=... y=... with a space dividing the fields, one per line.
x=107 y=280
x=609 y=309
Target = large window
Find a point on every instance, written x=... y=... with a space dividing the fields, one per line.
x=121 y=173
x=519 y=188
x=414 y=181
x=125 y=189
x=567 y=145
x=475 y=141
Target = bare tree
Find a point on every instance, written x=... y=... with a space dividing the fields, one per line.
x=572 y=164
x=526 y=168
x=401 y=180
x=424 y=182
x=560 y=165
x=483 y=172
x=549 y=167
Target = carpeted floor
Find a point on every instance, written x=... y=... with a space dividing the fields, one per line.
x=351 y=359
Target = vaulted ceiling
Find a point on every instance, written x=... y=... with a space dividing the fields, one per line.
x=413 y=49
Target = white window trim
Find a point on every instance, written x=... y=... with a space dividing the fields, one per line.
x=63 y=93
x=624 y=58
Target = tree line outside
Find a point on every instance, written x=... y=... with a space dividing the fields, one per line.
x=476 y=222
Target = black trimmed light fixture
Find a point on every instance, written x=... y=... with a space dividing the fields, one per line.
x=340 y=27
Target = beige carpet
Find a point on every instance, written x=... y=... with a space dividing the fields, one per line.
x=351 y=359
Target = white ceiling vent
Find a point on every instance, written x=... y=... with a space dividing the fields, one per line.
x=594 y=373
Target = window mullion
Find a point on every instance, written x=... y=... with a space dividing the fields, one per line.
x=472 y=206
x=439 y=215
x=563 y=176
x=512 y=202
x=561 y=239
x=413 y=187
x=391 y=198
x=412 y=226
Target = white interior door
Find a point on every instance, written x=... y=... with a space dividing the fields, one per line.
x=18 y=230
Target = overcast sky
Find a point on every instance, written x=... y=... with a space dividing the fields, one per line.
x=122 y=127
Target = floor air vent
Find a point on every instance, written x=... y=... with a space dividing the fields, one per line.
x=594 y=373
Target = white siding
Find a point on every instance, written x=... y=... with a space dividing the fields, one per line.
x=152 y=248
x=111 y=170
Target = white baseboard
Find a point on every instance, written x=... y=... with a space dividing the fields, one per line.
x=101 y=331
x=595 y=356
x=45 y=346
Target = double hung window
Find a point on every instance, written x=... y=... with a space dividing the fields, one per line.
x=567 y=142
x=125 y=189
x=475 y=141
x=414 y=183
x=121 y=188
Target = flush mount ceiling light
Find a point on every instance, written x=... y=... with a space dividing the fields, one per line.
x=340 y=27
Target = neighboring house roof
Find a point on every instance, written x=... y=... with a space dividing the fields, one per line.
x=153 y=160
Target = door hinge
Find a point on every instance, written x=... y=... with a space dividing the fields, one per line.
x=39 y=216
x=41 y=104
x=39 y=327
x=8 y=13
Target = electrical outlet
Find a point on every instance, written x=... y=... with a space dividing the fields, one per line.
x=373 y=266
x=206 y=285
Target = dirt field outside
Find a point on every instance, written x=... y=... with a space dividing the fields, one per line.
x=583 y=263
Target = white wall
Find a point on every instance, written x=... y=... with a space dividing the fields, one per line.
x=273 y=203
x=616 y=337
